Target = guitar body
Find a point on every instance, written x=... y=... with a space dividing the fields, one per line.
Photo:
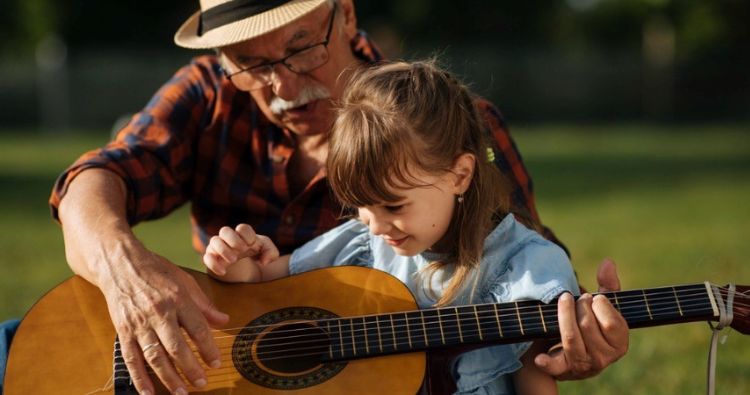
x=65 y=343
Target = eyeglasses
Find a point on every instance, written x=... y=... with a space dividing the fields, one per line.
x=302 y=61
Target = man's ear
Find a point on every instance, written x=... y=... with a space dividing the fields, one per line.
x=350 y=19
x=463 y=169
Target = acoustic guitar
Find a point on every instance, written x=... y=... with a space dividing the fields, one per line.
x=339 y=330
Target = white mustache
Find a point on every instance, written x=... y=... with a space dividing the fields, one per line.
x=308 y=94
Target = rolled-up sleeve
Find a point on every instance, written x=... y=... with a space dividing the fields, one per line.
x=153 y=153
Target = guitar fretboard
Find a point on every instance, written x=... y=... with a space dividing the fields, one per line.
x=373 y=335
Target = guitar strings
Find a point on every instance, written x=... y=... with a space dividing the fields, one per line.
x=622 y=299
x=449 y=328
x=452 y=332
x=615 y=297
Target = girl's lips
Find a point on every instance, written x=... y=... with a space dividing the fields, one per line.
x=396 y=242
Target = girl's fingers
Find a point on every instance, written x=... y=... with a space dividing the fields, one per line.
x=268 y=252
x=247 y=234
x=217 y=246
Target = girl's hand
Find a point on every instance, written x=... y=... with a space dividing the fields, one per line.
x=234 y=255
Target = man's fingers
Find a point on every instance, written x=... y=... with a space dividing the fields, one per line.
x=613 y=327
x=154 y=353
x=606 y=276
x=553 y=362
x=133 y=356
x=568 y=321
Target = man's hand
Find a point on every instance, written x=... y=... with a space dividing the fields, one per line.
x=594 y=334
x=150 y=308
x=151 y=301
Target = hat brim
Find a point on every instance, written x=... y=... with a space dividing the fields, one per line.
x=245 y=29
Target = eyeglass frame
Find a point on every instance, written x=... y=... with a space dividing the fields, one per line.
x=272 y=65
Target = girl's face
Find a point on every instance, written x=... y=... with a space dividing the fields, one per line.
x=421 y=218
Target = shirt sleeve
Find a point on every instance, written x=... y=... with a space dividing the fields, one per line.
x=153 y=153
x=508 y=160
x=345 y=245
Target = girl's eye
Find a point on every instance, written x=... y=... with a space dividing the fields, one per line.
x=393 y=209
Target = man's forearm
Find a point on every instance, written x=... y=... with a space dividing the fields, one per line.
x=95 y=227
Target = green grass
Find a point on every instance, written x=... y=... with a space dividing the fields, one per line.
x=668 y=204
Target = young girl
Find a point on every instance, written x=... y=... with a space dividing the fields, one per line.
x=409 y=153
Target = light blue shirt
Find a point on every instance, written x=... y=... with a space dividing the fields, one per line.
x=517 y=264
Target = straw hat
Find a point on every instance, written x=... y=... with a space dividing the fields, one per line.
x=224 y=22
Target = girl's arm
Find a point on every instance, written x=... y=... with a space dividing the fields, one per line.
x=530 y=380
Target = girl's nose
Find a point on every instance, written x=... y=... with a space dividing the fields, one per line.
x=378 y=225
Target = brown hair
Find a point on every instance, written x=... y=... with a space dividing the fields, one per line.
x=398 y=114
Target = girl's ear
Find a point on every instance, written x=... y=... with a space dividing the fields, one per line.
x=463 y=169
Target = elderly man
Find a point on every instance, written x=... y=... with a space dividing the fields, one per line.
x=242 y=136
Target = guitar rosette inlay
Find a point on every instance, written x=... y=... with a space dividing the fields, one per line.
x=286 y=349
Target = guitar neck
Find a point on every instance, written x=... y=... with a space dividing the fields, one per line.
x=419 y=330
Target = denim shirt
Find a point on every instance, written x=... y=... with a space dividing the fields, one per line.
x=517 y=264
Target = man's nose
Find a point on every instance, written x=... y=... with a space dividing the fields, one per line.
x=285 y=83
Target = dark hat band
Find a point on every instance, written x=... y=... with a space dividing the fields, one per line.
x=233 y=11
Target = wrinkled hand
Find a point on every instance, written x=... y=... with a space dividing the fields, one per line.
x=234 y=254
x=150 y=306
x=594 y=334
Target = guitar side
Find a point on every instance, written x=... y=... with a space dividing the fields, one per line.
x=65 y=342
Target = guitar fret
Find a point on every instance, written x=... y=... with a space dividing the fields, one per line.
x=380 y=338
x=541 y=315
x=424 y=329
x=458 y=324
x=408 y=332
x=367 y=343
x=479 y=326
x=648 y=308
x=330 y=344
x=393 y=332
x=518 y=314
x=341 y=338
x=497 y=318
x=617 y=302
x=388 y=338
x=677 y=300
x=354 y=343
x=433 y=328
x=440 y=321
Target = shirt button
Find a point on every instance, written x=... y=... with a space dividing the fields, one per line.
x=289 y=219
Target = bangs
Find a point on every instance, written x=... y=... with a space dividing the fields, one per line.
x=374 y=160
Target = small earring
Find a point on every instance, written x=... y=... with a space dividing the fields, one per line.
x=460 y=198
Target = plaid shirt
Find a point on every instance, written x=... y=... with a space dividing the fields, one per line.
x=201 y=140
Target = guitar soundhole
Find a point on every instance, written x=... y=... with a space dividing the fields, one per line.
x=285 y=349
